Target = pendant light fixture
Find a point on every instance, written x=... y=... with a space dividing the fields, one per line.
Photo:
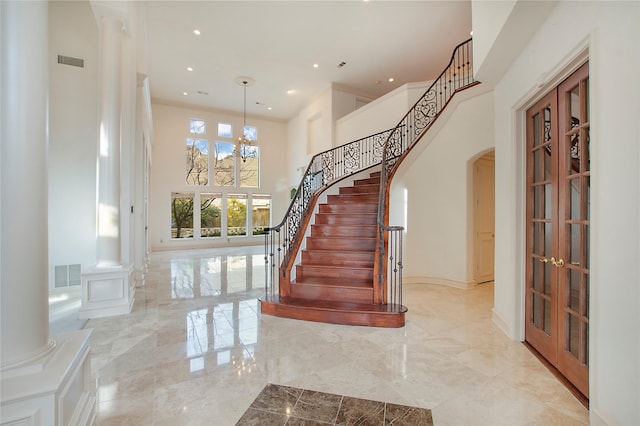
x=242 y=151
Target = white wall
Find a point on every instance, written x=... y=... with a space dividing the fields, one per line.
x=383 y=114
x=170 y=130
x=73 y=133
x=610 y=32
x=437 y=183
x=325 y=111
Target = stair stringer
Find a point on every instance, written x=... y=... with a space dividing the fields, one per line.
x=405 y=161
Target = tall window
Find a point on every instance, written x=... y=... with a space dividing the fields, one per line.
x=224 y=164
x=237 y=215
x=260 y=213
x=210 y=215
x=250 y=166
x=181 y=215
x=197 y=162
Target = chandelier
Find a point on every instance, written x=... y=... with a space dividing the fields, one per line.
x=243 y=150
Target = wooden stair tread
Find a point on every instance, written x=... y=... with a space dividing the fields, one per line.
x=334 y=282
x=327 y=251
x=343 y=313
x=338 y=305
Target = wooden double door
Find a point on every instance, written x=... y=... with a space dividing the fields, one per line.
x=557 y=268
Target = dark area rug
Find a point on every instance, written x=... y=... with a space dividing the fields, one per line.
x=285 y=405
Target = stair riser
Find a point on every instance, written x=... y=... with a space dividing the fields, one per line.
x=349 y=208
x=354 y=244
x=345 y=273
x=343 y=231
x=358 y=260
x=352 y=198
x=313 y=292
x=360 y=189
x=368 y=181
x=338 y=219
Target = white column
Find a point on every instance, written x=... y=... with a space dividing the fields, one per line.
x=108 y=287
x=108 y=238
x=44 y=381
x=24 y=264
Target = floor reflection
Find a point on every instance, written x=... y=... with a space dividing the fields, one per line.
x=196 y=351
x=203 y=276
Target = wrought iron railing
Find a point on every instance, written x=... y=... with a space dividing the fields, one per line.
x=456 y=76
x=387 y=148
x=324 y=169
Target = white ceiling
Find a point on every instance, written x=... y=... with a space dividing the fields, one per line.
x=276 y=43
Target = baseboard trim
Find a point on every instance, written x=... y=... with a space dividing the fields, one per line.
x=500 y=322
x=463 y=285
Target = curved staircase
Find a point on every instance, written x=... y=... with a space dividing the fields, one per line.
x=334 y=279
x=350 y=263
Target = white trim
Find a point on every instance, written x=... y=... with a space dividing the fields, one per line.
x=499 y=321
x=463 y=285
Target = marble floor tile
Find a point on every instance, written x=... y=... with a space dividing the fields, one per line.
x=196 y=350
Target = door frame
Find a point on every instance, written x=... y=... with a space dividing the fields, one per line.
x=547 y=82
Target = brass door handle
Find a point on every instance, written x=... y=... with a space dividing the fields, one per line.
x=559 y=263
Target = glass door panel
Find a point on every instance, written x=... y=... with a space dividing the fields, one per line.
x=541 y=189
x=558 y=205
x=574 y=232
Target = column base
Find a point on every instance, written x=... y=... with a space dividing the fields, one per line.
x=59 y=393
x=107 y=291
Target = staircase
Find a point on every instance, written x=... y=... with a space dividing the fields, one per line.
x=334 y=279
x=350 y=264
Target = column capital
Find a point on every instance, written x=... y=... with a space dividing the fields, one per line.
x=112 y=11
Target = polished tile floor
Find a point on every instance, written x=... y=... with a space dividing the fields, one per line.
x=196 y=351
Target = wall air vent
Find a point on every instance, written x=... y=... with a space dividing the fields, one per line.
x=67 y=275
x=68 y=60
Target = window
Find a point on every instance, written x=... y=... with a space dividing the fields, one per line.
x=197 y=162
x=250 y=133
x=250 y=166
x=210 y=215
x=181 y=215
x=225 y=130
x=237 y=215
x=197 y=127
x=224 y=164
x=260 y=213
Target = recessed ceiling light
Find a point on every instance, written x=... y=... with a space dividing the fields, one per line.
x=391 y=79
x=315 y=65
x=291 y=92
x=269 y=108
x=185 y=93
x=189 y=69
x=196 y=31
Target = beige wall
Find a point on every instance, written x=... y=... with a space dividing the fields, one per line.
x=170 y=130
x=73 y=136
x=433 y=191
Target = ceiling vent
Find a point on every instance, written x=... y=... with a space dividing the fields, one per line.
x=68 y=60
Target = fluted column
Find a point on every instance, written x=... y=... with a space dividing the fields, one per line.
x=24 y=257
x=108 y=238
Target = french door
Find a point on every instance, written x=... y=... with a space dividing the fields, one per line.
x=557 y=268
